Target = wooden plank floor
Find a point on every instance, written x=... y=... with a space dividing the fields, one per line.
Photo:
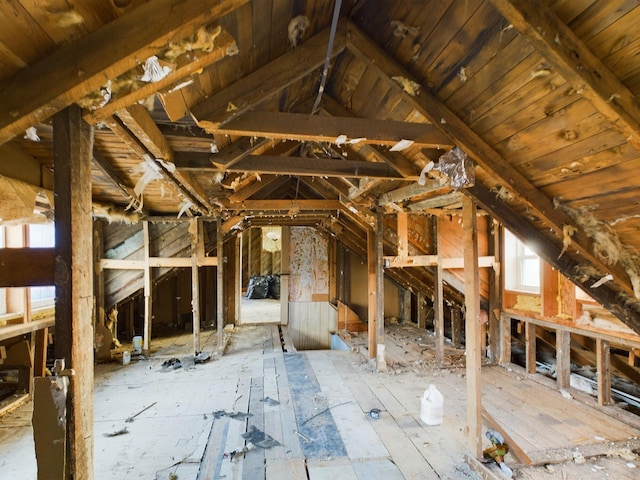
x=314 y=408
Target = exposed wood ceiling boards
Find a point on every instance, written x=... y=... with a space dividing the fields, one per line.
x=487 y=157
x=131 y=139
x=560 y=46
x=267 y=81
x=107 y=169
x=30 y=96
x=329 y=129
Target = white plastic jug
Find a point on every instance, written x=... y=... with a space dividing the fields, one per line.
x=431 y=406
x=137 y=345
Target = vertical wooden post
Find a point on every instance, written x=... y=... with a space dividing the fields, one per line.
x=220 y=286
x=438 y=296
x=472 y=326
x=421 y=310
x=371 y=292
x=73 y=146
x=40 y=355
x=405 y=305
x=456 y=326
x=148 y=298
x=284 y=276
x=530 y=347
x=237 y=291
x=505 y=339
x=381 y=363
x=195 y=233
x=98 y=287
x=403 y=231
x=563 y=358
x=603 y=359
x=495 y=291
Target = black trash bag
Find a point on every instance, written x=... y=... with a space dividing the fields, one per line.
x=258 y=287
x=274 y=286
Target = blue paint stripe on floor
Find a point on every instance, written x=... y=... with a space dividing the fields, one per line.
x=308 y=404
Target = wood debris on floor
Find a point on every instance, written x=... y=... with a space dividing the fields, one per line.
x=261 y=413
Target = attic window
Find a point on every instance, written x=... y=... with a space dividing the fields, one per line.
x=522 y=266
x=42 y=235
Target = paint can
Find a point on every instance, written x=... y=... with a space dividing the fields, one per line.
x=137 y=345
x=431 y=406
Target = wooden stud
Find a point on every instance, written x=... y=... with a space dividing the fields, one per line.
x=530 y=347
x=563 y=358
x=472 y=326
x=40 y=355
x=284 y=276
x=220 y=287
x=438 y=295
x=371 y=292
x=195 y=231
x=148 y=299
x=456 y=326
x=603 y=360
x=421 y=310
x=505 y=339
x=381 y=363
x=73 y=143
x=495 y=291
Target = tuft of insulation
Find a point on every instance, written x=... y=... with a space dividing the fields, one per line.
x=607 y=246
x=401 y=30
x=296 y=30
x=114 y=214
x=409 y=86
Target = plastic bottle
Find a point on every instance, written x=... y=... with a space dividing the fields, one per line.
x=431 y=408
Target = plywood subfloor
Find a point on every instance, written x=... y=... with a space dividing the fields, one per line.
x=314 y=407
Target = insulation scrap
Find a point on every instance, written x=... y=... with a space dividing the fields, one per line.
x=203 y=40
x=503 y=193
x=541 y=73
x=231 y=107
x=149 y=172
x=355 y=141
x=400 y=29
x=462 y=74
x=423 y=174
x=153 y=71
x=112 y=213
x=607 y=246
x=409 y=86
x=401 y=145
x=232 y=50
x=31 y=134
x=340 y=140
x=297 y=28
x=68 y=19
x=185 y=206
x=567 y=232
x=214 y=147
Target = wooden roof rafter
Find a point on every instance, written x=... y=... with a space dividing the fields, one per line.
x=30 y=96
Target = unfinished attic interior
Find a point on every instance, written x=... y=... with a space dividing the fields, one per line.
x=243 y=238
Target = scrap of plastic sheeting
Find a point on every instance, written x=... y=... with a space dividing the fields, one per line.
x=457 y=165
x=150 y=172
x=423 y=174
x=401 y=145
x=186 y=205
x=31 y=134
x=153 y=71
